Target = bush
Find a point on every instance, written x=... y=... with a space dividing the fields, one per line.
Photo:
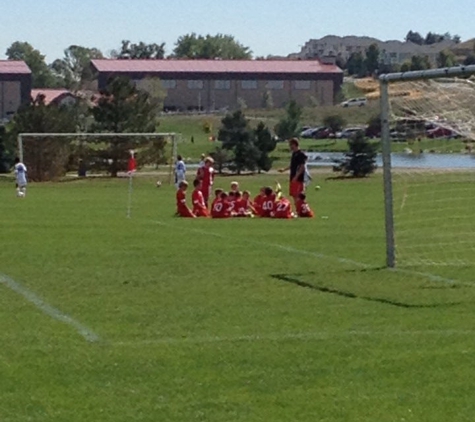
x=335 y=122
x=360 y=160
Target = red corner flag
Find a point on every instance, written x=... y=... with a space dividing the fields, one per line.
x=132 y=165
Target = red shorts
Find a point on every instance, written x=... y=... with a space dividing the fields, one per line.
x=296 y=188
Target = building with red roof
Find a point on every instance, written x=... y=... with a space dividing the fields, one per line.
x=219 y=84
x=15 y=87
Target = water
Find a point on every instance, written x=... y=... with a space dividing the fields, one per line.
x=402 y=160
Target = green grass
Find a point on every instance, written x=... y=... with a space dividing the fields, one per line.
x=235 y=320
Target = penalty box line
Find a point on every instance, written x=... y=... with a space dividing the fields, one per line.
x=47 y=309
x=362 y=265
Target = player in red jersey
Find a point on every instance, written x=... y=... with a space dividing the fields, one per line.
x=282 y=209
x=268 y=202
x=217 y=196
x=232 y=200
x=221 y=207
x=303 y=209
x=181 y=209
x=207 y=178
x=242 y=205
x=257 y=203
x=199 y=206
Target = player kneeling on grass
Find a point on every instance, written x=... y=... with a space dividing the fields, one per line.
x=199 y=206
x=243 y=206
x=268 y=202
x=282 y=209
x=221 y=206
x=181 y=209
x=303 y=209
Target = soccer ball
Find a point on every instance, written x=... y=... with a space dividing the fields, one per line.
x=20 y=194
x=159 y=183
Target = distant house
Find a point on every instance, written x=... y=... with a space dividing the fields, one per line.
x=15 y=87
x=220 y=84
x=391 y=52
x=59 y=97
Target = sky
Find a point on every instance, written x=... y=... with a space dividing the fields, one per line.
x=267 y=27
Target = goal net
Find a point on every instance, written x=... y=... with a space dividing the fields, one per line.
x=429 y=166
x=54 y=156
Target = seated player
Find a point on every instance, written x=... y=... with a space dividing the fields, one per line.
x=221 y=207
x=243 y=206
x=268 y=202
x=217 y=196
x=303 y=209
x=232 y=200
x=257 y=203
x=181 y=209
x=282 y=209
x=199 y=206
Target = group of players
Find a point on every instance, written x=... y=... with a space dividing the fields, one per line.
x=268 y=203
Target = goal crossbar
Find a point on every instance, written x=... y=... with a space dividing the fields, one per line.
x=384 y=81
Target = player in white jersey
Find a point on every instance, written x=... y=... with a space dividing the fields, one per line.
x=20 y=173
x=180 y=171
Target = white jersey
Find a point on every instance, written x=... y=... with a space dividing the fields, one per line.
x=180 y=169
x=20 y=173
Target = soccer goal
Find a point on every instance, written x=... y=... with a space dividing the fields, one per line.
x=51 y=156
x=428 y=133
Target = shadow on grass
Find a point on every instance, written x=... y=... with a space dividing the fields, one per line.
x=294 y=279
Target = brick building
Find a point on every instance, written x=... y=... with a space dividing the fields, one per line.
x=220 y=84
x=15 y=87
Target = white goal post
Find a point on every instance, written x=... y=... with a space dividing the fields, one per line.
x=84 y=135
x=458 y=125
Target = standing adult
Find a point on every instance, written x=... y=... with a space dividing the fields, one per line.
x=298 y=161
x=180 y=171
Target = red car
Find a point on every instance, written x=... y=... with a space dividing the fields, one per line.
x=442 y=132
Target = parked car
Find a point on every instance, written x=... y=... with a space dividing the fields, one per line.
x=317 y=133
x=354 y=102
x=442 y=132
x=349 y=132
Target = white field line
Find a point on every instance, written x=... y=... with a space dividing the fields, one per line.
x=431 y=277
x=300 y=336
x=47 y=309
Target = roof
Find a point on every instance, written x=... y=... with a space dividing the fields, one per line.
x=14 y=67
x=51 y=95
x=213 y=66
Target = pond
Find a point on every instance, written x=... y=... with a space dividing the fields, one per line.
x=424 y=160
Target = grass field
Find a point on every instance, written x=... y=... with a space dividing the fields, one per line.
x=156 y=318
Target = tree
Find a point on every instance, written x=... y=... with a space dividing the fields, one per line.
x=122 y=108
x=419 y=63
x=140 y=51
x=221 y=158
x=360 y=160
x=42 y=76
x=373 y=130
x=335 y=122
x=446 y=59
x=265 y=143
x=192 y=46
x=288 y=126
x=372 y=58
x=6 y=160
x=74 y=68
x=470 y=59
x=238 y=137
x=356 y=64
x=414 y=37
x=45 y=158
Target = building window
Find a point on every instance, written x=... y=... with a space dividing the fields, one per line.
x=195 y=84
x=222 y=84
x=302 y=84
x=168 y=83
x=249 y=84
x=275 y=85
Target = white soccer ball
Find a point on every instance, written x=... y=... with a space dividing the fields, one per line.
x=20 y=194
x=159 y=183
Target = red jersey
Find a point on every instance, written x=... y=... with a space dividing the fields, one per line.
x=241 y=207
x=207 y=177
x=303 y=209
x=268 y=204
x=258 y=200
x=199 y=206
x=283 y=209
x=181 y=207
x=221 y=209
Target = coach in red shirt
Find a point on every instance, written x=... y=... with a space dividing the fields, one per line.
x=297 y=170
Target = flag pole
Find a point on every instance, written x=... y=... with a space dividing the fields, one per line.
x=132 y=165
